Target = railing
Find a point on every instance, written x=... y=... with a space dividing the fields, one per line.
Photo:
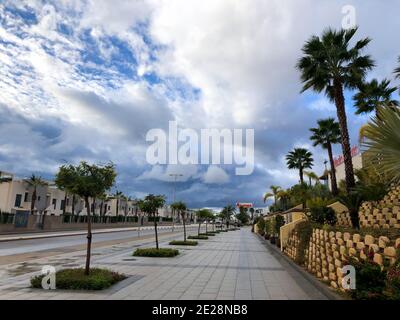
x=98 y=219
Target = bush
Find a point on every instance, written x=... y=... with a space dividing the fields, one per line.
x=198 y=237
x=304 y=231
x=279 y=222
x=370 y=280
x=183 y=243
x=261 y=225
x=323 y=215
x=153 y=252
x=75 y=279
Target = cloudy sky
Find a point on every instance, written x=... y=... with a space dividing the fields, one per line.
x=86 y=80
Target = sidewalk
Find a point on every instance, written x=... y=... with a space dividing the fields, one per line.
x=30 y=236
x=229 y=266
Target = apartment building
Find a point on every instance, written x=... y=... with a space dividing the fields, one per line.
x=16 y=195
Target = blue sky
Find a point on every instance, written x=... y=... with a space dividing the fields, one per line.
x=85 y=80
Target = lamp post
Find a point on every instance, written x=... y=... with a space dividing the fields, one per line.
x=175 y=175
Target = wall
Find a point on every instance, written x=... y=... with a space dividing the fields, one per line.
x=54 y=223
x=328 y=252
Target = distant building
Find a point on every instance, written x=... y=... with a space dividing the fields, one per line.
x=357 y=159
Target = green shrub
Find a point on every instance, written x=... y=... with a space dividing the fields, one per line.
x=153 y=252
x=183 y=243
x=279 y=222
x=304 y=232
x=75 y=279
x=323 y=215
x=198 y=237
x=370 y=280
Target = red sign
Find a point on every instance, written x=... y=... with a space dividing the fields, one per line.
x=244 y=205
x=340 y=159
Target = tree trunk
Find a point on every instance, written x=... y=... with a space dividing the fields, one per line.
x=73 y=205
x=206 y=227
x=184 y=227
x=117 y=207
x=65 y=202
x=301 y=175
x=198 y=232
x=341 y=114
x=89 y=237
x=155 y=230
x=333 y=171
x=101 y=208
x=33 y=201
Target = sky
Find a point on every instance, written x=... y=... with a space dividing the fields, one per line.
x=86 y=80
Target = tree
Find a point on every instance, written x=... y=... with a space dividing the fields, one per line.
x=300 y=159
x=311 y=176
x=35 y=182
x=226 y=214
x=382 y=143
x=242 y=216
x=150 y=205
x=397 y=70
x=325 y=135
x=251 y=213
x=275 y=190
x=203 y=215
x=329 y=65
x=118 y=195
x=87 y=181
x=181 y=208
x=372 y=95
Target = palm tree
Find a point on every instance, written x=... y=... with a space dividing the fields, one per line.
x=372 y=95
x=330 y=65
x=35 y=182
x=181 y=208
x=326 y=134
x=227 y=213
x=300 y=159
x=284 y=197
x=275 y=190
x=397 y=71
x=118 y=195
x=311 y=176
x=383 y=142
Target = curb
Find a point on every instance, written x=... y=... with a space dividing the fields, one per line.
x=322 y=287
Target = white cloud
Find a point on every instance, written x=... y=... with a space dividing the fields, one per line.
x=215 y=175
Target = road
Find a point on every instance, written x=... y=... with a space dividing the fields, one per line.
x=21 y=250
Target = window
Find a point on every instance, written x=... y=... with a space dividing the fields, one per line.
x=62 y=204
x=26 y=197
x=54 y=203
x=18 y=199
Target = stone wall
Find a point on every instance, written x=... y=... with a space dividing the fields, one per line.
x=328 y=251
x=382 y=214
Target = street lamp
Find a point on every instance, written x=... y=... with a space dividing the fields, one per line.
x=175 y=175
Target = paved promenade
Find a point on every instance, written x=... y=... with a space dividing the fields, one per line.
x=231 y=265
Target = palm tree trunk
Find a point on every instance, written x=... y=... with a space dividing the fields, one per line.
x=33 y=201
x=89 y=237
x=184 y=227
x=73 y=204
x=65 y=202
x=341 y=114
x=301 y=175
x=333 y=171
x=155 y=230
x=117 y=207
x=198 y=231
x=206 y=227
